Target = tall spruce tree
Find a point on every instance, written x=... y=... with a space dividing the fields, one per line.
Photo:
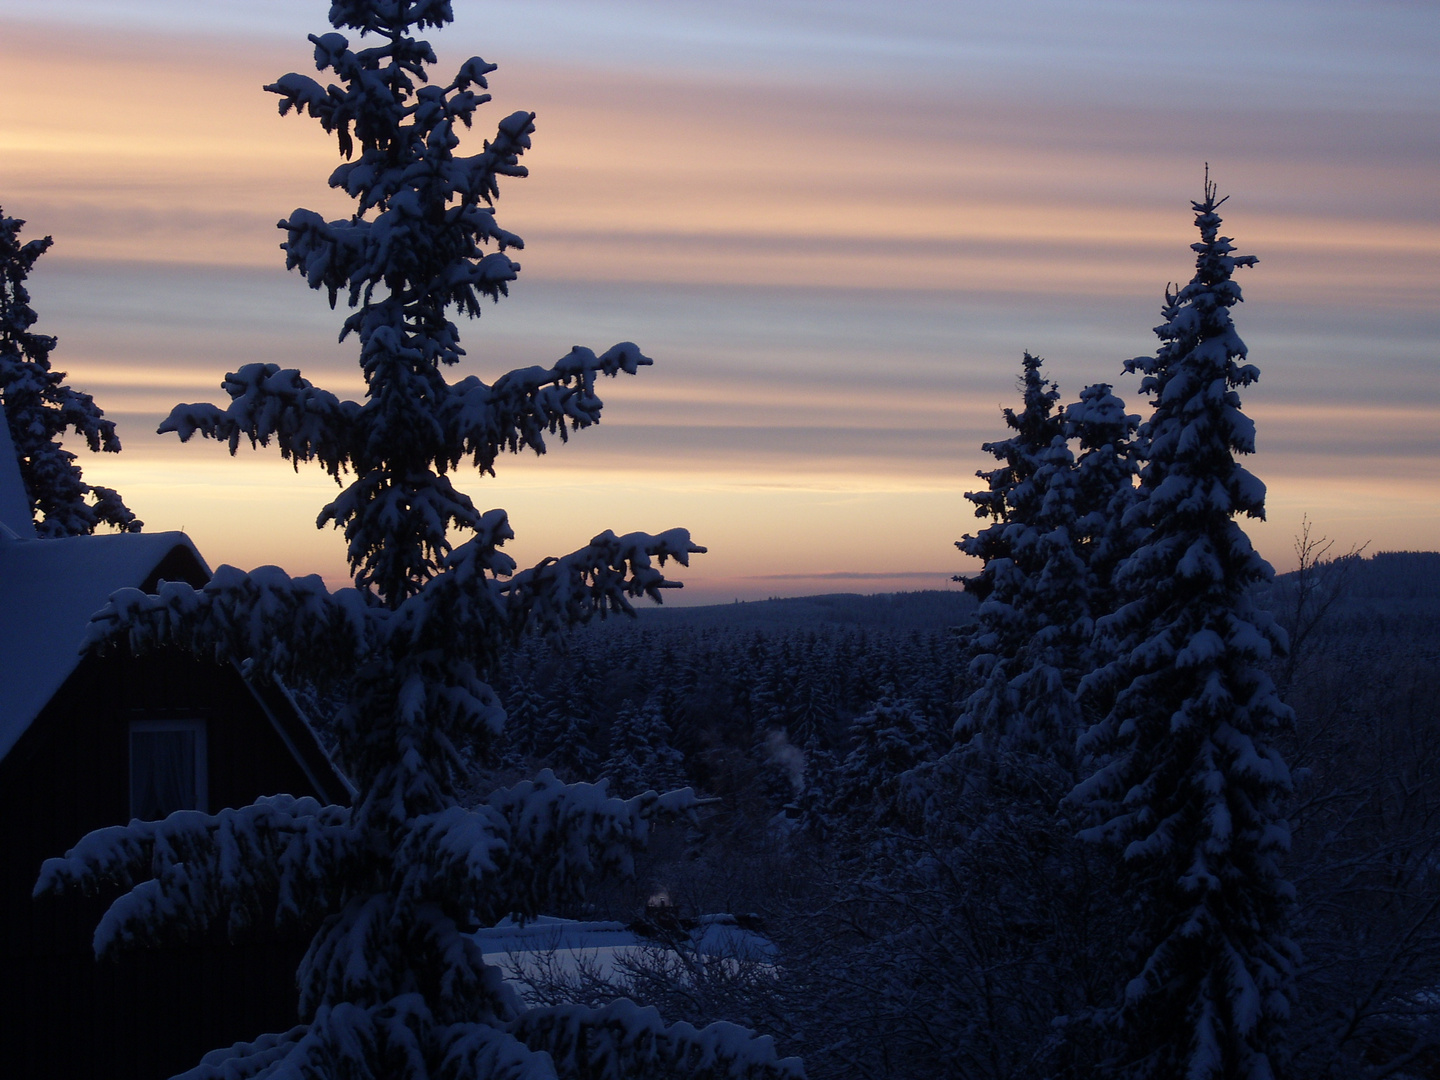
x=1053 y=603
x=1010 y=494
x=990 y=879
x=392 y=986
x=40 y=408
x=1105 y=468
x=1013 y=550
x=1104 y=490
x=1049 y=564
x=1190 y=785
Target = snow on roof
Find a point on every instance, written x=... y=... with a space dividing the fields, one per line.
x=564 y=947
x=546 y=932
x=48 y=591
x=14 y=503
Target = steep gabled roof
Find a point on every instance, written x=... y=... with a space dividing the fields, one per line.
x=50 y=588
x=48 y=591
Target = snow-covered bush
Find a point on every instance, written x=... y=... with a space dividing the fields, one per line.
x=392 y=986
x=40 y=408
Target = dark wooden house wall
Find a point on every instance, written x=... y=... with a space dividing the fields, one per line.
x=156 y=1012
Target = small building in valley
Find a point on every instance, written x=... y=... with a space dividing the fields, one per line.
x=88 y=741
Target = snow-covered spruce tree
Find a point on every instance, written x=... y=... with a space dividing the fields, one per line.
x=524 y=708
x=888 y=741
x=987 y=870
x=1104 y=490
x=391 y=986
x=1054 y=602
x=40 y=408
x=981 y=896
x=1017 y=548
x=1009 y=493
x=1189 y=784
x=640 y=754
x=562 y=741
x=1105 y=468
x=1048 y=566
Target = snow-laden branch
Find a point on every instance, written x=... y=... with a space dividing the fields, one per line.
x=193 y=871
x=347 y=1040
x=39 y=408
x=623 y=1041
x=620 y=1041
x=474 y=420
x=264 y=618
x=526 y=404
x=562 y=835
x=599 y=579
x=477 y=600
x=435 y=643
x=269 y=402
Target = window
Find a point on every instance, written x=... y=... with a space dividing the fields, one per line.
x=167 y=767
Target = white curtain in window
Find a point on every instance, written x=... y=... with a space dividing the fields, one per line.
x=162 y=773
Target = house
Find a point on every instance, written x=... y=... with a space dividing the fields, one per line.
x=91 y=741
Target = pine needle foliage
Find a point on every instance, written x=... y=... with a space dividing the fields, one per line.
x=392 y=985
x=40 y=408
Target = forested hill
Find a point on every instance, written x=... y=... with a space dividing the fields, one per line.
x=1389 y=584
x=1402 y=580
x=932 y=609
x=1395 y=575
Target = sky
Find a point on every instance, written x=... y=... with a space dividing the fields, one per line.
x=835 y=226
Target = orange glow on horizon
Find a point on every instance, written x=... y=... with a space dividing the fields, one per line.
x=794 y=460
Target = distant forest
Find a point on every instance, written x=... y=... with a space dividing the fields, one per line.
x=802 y=718
x=729 y=678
